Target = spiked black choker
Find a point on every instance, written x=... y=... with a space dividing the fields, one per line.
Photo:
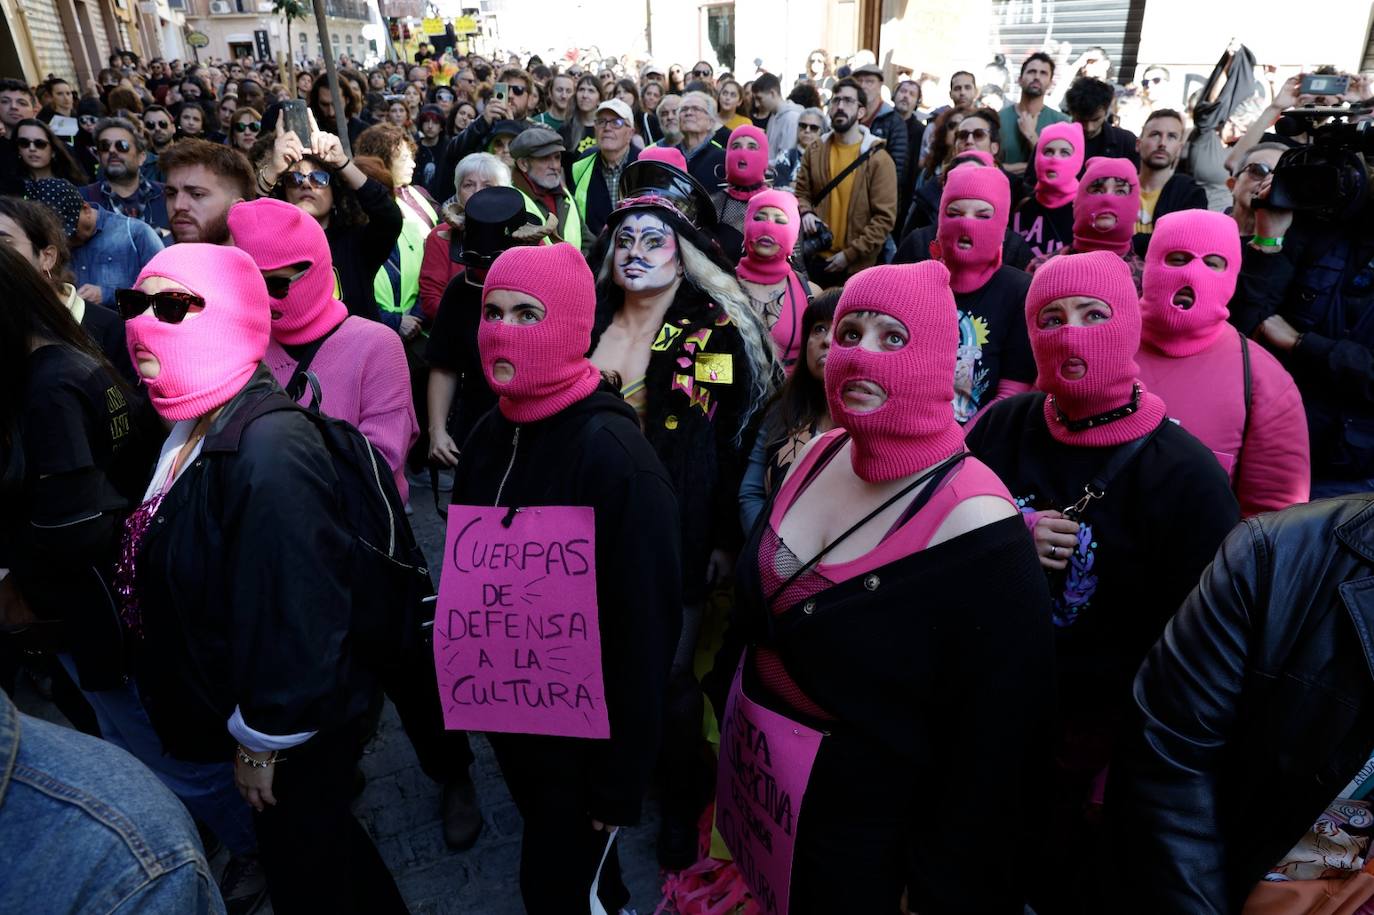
x=1101 y=419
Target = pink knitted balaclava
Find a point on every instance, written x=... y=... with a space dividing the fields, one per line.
x=745 y=168
x=552 y=371
x=772 y=269
x=668 y=154
x=1105 y=352
x=1184 y=308
x=1105 y=222
x=276 y=234
x=206 y=359
x=971 y=247
x=915 y=427
x=1057 y=190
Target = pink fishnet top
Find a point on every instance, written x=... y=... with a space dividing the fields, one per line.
x=777 y=562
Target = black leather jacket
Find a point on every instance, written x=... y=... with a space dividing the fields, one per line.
x=1254 y=710
x=243 y=584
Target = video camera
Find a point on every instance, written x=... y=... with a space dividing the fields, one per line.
x=1328 y=176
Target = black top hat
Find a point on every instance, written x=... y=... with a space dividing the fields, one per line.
x=490 y=219
x=650 y=184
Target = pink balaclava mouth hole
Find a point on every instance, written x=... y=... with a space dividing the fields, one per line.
x=1107 y=350
x=767 y=271
x=276 y=234
x=745 y=169
x=915 y=427
x=552 y=371
x=1089 y=210
x=1180 y=328
x=1058 y=191
x=206 y=359
x=972 y=266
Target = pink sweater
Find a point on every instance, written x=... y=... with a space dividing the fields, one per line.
x=365 y=381
x=1206 y=394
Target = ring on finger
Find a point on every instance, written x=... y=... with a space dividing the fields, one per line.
x=1054 y=552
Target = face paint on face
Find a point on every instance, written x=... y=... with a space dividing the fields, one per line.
x=646 y=255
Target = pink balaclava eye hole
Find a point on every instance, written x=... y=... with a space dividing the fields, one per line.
x=745 y=169
x=276 y=234
x=915 y=427
x=971 y=247
x=767 y=271
x=1058 y=191
x=1106 y=222
x=1184 y=308
x=552 y=371
x=206 y=359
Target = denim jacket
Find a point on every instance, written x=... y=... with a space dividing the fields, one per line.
x=84 y=827
x=113 y=257
x=148 y=203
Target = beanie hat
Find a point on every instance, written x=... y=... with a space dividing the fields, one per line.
x=971 y=247
x=430 y=112
x=207 y=358
x=276 y=234
x=1057 y=190
x=1103 y=377
x=60 y=196
x=772 y=269
x=1105 y=222
x=914 y=427
x=1184 y=308
x=669 y=154
x=552 y=371
x=745 y=168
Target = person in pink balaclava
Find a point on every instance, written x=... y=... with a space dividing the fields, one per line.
x=561 y=436
x=1045 y=219
x=746 y=174
x=1229 y=392
x=994 y=358
x=765 y=273
x=1103 y=212
x=233 y=582
x=887 y=535
x=1126 y=509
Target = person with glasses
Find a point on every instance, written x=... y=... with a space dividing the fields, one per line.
x=596 y=176
x=122 y=186
x=245 y=126
x=1256 y=165
x=702 y=145
x=108 y=248
x=89 y=111
x=240 y=530
x=43 y=154
x=703 y=72
x=811 y=126
x=478 y=135
x=859 y=208
x=161 y=128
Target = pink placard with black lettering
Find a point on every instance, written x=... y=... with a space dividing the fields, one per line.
x=517 y=645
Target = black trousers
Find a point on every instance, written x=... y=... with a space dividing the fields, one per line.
x=559 y=850
x=414 y=689
x=316 y=856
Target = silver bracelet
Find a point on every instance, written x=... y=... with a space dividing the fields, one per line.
x=250 y=761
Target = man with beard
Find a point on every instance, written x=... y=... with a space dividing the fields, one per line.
x=1023 y=121
x=479 y=133
x=203 y=181
x=122 y=188
x=559 y=101
x=668 y=120
x=1162 y=189
x=162 y=132
x=538 y=176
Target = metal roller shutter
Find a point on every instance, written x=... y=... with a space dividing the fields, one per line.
x=49 y=41
x=1022 y=26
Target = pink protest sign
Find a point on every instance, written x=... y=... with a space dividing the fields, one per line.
x=765 y=764
x=516 y=642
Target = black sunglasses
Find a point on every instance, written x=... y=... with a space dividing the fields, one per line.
x=117 y=145
x=516 y=91
x=279 y=286
x=973 y=133
x=242 y=126
x=157 y=125
x=35 y=142
x=1257 y=170
x=701 y=73
x=168 y=307
x=318 y=178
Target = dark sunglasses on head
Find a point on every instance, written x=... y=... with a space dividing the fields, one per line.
x=279 y=286
x=117 y=145
x=299 y=179
x=242 y=126
x=35 y=142
x=168 y=307
x=973 y=133
x=1257 y=170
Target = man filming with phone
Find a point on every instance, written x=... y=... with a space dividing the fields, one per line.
x=510 y=101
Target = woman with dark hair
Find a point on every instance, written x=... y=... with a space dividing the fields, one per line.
x=31 y=229
x=42 y=154
x=677 y=80
x=799 y=414
x=730 y=101
x=627 y=90
x=459 y=117
x=323 y=104
x=579 y=134
x=193 y=120
x=358 y=214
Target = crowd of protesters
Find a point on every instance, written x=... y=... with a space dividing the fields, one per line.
x=967 y=428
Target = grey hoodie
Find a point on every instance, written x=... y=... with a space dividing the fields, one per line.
x=782 y=128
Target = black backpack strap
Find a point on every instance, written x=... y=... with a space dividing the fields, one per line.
x=844 y=173
x=1249 y=382
x=302 y=375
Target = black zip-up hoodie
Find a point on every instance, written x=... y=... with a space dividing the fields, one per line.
x=610 y=467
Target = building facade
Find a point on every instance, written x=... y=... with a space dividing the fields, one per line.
x=248 y=28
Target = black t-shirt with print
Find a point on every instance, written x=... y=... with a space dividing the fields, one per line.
x=1045 y=230
x=993 y=343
